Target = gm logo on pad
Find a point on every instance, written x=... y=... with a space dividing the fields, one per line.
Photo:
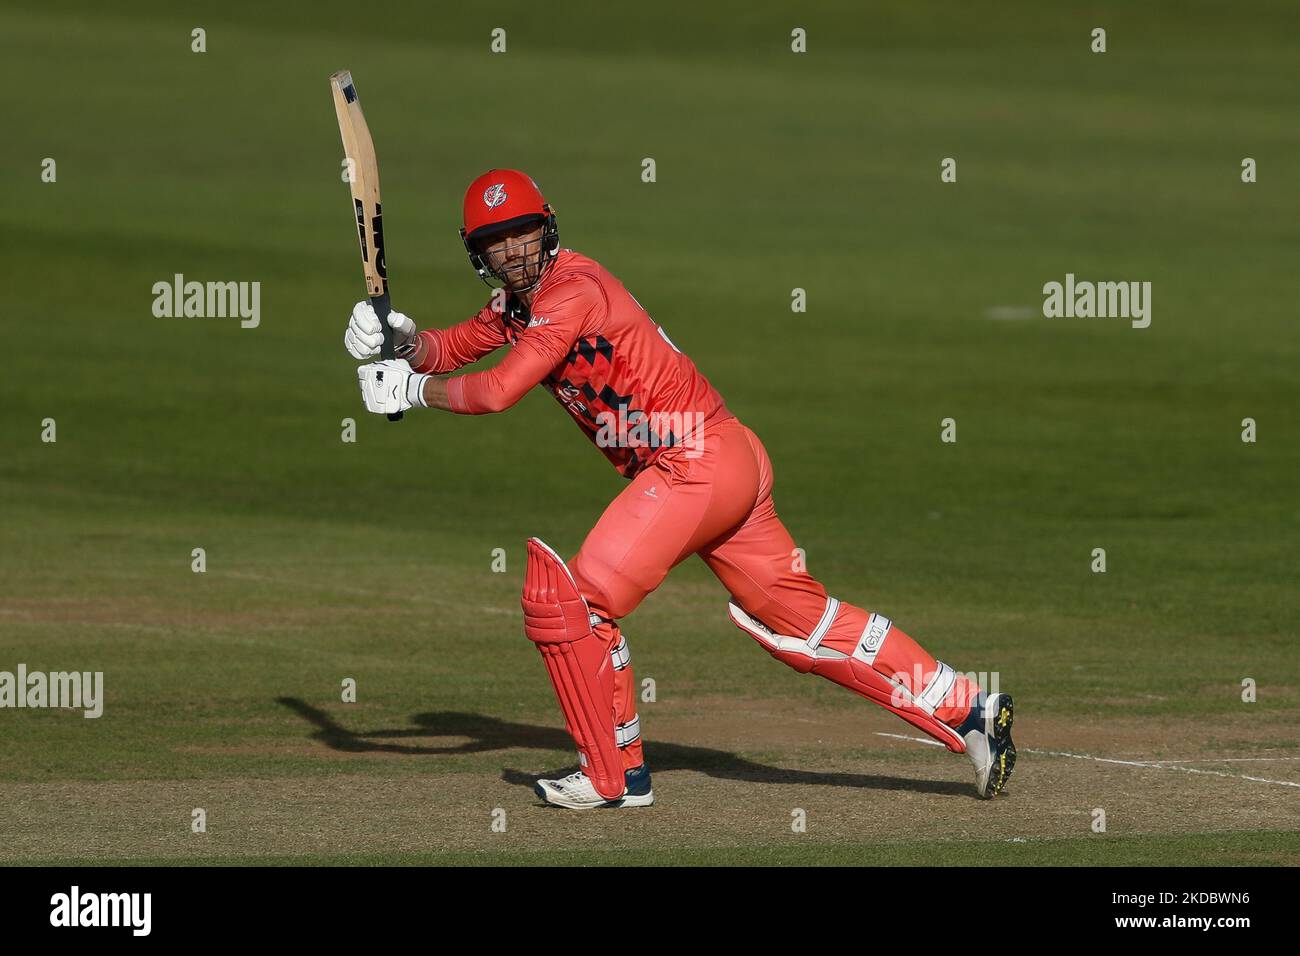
x=873 y=636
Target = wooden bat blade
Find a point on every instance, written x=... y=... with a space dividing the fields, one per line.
x=363 y=167
x=368 y=210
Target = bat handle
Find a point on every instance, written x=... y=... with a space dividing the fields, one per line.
x=383 y=306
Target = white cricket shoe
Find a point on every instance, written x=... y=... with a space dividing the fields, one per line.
x=987 y=732
x=576 y=792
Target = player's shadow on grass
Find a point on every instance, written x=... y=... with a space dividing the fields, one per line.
x=487 y=733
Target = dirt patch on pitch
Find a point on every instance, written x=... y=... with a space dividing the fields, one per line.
x=735 y=776
x=781 y=723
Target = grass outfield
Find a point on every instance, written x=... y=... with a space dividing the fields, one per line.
x=373 y=560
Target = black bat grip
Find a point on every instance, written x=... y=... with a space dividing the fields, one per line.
x=383 y=306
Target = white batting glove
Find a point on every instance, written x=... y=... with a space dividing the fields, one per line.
x=365 y=334
x=391 y=386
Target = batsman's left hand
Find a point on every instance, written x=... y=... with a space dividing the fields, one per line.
x=390 y=386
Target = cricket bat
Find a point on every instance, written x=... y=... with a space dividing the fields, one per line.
x=359 y=149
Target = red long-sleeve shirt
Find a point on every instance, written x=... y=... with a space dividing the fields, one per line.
x=589 y=343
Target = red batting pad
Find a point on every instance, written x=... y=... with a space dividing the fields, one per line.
x=557 y=620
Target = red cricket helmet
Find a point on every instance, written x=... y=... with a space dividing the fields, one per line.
x=501 y=199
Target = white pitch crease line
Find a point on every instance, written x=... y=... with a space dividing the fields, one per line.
x=1224 y=759
x=919 y=740
x=1160 y=766
x=1147 y=764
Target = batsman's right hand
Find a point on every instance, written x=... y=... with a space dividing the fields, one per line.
x=365 y=335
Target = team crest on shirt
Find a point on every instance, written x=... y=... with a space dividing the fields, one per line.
x=495 y=195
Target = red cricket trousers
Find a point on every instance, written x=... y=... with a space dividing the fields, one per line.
x=714 y=498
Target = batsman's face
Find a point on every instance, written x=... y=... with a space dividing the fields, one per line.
x=515 y=255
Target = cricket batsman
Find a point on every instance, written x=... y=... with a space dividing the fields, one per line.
x=699 y=482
